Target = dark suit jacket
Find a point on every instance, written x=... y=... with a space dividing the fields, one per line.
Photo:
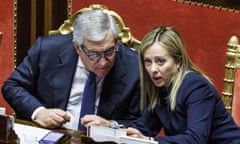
x=199 y=118
x=45 y=76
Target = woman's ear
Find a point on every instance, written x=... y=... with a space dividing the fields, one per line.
x=179 y=62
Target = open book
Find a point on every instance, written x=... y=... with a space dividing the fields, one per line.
x=105 y=134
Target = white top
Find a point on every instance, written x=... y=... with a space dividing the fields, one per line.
x=75 y=99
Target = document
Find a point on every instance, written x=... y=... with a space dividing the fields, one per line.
x=29 y=134
x=105 y=134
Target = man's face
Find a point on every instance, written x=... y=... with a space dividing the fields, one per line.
x=98 y=56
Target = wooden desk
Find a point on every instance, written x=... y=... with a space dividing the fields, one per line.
x=75 y=137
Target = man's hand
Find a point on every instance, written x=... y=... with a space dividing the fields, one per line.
x=88 y=120
x=51 y=118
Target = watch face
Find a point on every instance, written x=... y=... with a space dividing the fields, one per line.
x=114 y=125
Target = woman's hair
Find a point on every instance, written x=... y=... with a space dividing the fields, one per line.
x=170 y=39
x=93 y=24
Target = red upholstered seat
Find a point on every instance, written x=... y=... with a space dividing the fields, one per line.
x=236 y=98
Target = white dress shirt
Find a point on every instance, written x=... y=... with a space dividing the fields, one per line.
x=75 y=99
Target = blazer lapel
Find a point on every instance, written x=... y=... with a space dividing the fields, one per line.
x=111 y=93
x=63 y=76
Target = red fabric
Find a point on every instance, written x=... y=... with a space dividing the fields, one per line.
x=161 y=133
x=236 y=98
x=6 y=47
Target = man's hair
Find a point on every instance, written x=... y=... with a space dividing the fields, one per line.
x=93 y=25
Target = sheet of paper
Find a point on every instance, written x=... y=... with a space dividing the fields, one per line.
x=29 y=134
x=2 y=110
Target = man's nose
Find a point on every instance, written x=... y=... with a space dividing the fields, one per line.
x=102 y=60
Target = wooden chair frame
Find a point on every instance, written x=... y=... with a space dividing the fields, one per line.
x=124 y=35
x=231 y=66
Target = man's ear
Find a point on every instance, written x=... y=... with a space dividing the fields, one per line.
x=74 y=43
x=76 y=46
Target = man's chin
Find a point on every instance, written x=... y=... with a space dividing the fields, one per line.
x=102 y=72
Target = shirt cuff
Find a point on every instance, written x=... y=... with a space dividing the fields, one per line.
x=36 y=111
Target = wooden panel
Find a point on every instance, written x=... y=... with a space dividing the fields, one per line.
x=229 y=4
x=23 y=32
x=35 y=18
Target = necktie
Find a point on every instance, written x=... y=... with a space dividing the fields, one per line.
x=88 y=100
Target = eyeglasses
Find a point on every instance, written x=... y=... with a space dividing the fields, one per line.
x=96 y=56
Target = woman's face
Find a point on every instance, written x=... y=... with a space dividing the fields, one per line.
x=160 y=65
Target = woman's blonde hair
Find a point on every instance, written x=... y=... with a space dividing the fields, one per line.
x=170 y=39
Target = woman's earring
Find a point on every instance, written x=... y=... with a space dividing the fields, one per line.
x=178 y=68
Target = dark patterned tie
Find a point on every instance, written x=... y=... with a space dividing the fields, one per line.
x=88 y=100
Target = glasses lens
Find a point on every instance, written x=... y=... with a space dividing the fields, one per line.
x=94 y=57
x=109 y=53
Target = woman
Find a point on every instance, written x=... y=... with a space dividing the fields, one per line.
x=177 y=96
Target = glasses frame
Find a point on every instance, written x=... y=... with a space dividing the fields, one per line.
x=108 y=54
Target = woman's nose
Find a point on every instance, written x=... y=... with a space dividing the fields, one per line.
x=154 y=67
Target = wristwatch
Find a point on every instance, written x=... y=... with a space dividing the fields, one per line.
x=114 y=124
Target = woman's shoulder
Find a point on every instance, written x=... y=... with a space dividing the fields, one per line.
x=191 y=77
x=195 y=82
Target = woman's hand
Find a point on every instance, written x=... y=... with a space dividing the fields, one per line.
x=135 y=133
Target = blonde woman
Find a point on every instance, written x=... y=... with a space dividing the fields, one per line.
x=178 y=97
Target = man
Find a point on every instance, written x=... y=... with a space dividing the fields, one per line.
x=48 y=86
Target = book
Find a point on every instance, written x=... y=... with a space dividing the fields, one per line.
x=118 y=136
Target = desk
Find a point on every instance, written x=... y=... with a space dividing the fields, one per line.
x=75 y=137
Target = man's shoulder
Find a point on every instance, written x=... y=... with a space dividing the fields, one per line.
x=128 y=60
x=57 y=38
x=127 y=52
x=53 y=44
